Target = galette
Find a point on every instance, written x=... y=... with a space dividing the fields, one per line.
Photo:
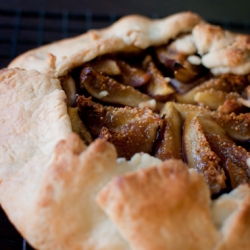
x=135 y=136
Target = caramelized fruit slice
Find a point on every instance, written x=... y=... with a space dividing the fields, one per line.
x=245 y=100
x=219 y=100
x=236 y=126
x=157 y=87
x=69 y=87
x=176 y=62
x=78 y=126
x=170 y=59
x=93 y=114
x=168 y=144
x=231 y=104
x=211 y=98
x=182 y=88
x=233 y=157
x=131 y=130
x=227 y=83
x=106 y=66
x=235 y=174
x=187 y=72
x=131 y=75
x=109 y=90
x=199 y=155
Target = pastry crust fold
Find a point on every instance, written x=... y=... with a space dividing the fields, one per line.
x=142 y=203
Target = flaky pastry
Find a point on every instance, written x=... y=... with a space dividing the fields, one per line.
x=33 y=118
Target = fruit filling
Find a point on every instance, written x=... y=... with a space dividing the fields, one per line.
x=165 y=103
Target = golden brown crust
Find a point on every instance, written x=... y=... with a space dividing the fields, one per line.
x=161 y=208
x=165 y=206
x=56 y=209
x=52 y=201
x=231 y=214
x=31 y=105
x=222 y=51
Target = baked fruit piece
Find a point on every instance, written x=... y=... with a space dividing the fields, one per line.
x=176 y=88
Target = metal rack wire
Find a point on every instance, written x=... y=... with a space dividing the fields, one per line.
x=24 y=30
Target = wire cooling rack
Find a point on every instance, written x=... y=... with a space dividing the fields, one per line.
x=24 y=30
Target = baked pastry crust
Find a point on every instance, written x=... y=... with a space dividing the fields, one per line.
x=141 y=204
x=32 y=104
x=56 y=198
x=230 y=214
x=49 y=193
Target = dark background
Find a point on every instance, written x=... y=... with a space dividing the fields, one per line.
x=26 y=24
x=225 y=10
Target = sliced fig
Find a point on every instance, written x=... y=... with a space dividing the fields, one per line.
x=106 y=66
x=168 y=144
x=182 y=88
x=199 y=155
x=91 y=113
x=211 y=98
x=69 y=87
x=227 y=83
x=185 y=109
x=236 y=175
x=78 y=126
x=233 y=157
x=245 y=98
x=231 y=104
x=176 y=62
x=171 y=59
x=109 y=90
x=236 y=126
x=158 y=87
x=187 y=72
x=132 y=76
x=131 y=130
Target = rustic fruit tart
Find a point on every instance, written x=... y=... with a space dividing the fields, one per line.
x=159 y=154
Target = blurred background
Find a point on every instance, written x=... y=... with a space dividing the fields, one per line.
x=27 y=24
x=226 y=10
